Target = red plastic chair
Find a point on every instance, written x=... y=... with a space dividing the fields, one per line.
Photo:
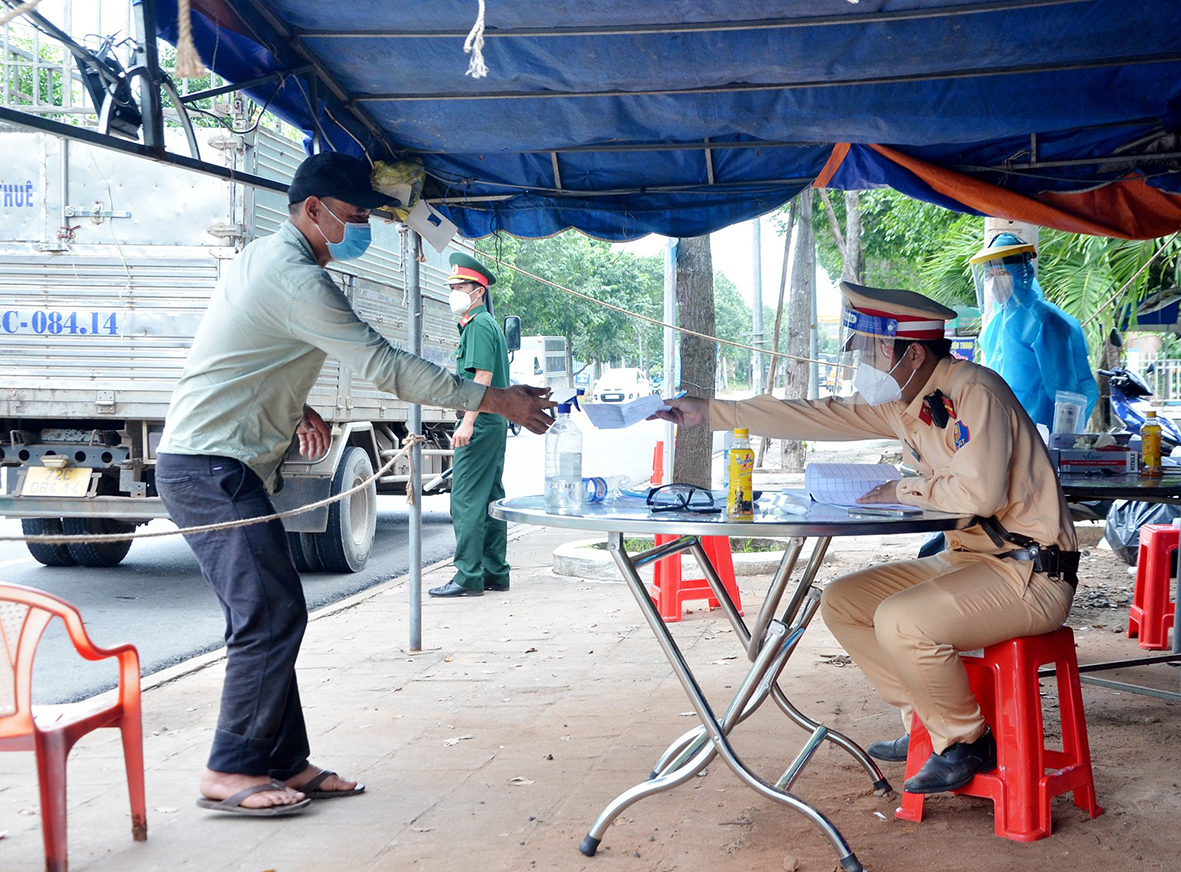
x=1028 y=774
x=1151 y=614
x=51 y=731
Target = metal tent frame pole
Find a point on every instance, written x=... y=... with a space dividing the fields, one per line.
x=414 y=425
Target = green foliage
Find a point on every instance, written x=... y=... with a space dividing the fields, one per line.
x=591 y=267
x=733 y=322
x=898 y=235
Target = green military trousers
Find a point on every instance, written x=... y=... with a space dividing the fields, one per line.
x=480 y=541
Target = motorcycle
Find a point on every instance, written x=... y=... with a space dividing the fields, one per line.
x=1129 y=403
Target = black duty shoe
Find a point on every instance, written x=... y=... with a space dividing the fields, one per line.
x=890 y=752
x=499 y=587
x=955 y=767
x=453 y=589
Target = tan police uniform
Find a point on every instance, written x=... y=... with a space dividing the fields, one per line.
x=903 y=623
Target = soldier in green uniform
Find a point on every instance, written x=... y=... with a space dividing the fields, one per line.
x=479 y=441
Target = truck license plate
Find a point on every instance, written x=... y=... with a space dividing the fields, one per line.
x=41 y=481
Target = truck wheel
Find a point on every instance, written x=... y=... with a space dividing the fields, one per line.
x=303 y=551
x=50 y=555
x=97 y=553
x=352 y=522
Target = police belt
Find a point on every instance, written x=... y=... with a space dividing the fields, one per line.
x=1050 y=559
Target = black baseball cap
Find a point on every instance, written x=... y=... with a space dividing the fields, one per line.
x=340 y=176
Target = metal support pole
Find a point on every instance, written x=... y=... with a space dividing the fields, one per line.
x=414 y=425
x=756 y=375
x=149 y=85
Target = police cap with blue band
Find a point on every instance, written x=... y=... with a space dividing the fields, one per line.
x=894 y=312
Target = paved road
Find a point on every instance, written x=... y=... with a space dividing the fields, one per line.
x=157 y=600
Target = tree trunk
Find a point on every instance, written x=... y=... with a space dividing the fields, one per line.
x=853 y=254
x=799 y=320
x=695 y=307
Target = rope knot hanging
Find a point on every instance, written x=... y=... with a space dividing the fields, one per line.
x=188 y=62
x=474 y=45
x=408 y=444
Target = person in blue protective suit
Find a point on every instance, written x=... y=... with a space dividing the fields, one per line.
x=1035 y=346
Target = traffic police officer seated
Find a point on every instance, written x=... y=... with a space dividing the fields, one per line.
x=977 y=453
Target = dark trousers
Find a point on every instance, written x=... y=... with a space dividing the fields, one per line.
x=260 y=729
x=480 y=541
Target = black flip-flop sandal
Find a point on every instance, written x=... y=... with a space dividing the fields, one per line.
x=311 y=788
x=233 y=804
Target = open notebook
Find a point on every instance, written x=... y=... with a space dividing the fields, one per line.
x=840 y=484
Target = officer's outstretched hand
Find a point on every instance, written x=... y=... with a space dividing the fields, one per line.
x=685 y=412
x=523 y=404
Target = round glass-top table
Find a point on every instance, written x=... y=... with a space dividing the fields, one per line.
x=768 y=644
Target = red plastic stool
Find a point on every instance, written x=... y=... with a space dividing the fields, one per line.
x=1005 y=683
x=1151 y=614
x=670 y=591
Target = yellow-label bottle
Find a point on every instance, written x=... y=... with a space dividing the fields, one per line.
x=740 y=504
x=1150 y=464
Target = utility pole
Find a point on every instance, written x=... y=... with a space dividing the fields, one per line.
x=756 y=369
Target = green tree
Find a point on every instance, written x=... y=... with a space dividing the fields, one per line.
x=899 y=235
x=591 y=267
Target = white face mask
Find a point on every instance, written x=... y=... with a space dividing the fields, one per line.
x=459 y=301
x=877 y=387
x=997 y=290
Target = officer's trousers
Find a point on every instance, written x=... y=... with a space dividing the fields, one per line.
x=480 y=541
x=904 y=624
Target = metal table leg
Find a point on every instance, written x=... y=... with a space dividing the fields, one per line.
x=752 y=640
x=773 y=652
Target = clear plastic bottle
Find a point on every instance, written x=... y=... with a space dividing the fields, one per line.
x=563 y=465
x=1150 y=463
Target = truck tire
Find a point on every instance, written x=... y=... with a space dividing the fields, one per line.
x=50 y=555
x=303 y=552
x=352 y=522
x=97 y=553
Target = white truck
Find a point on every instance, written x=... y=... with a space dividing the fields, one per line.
x=107 y=262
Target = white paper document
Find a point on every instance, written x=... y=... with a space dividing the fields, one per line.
x=841 y=484
x=615 y=416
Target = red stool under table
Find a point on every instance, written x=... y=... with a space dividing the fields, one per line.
x=1151 y=614
x=670 y=591
x=1005 y=683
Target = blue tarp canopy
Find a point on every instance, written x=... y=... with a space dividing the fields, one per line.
x=681 y=117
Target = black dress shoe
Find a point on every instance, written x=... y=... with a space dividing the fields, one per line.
x=955 y=767
x=890 y=752
x=453 y=589
x=499 y=588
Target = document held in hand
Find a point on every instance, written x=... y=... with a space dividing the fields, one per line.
x=841 y=484
x=614 y=416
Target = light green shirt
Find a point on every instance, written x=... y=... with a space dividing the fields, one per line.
x=273 y=319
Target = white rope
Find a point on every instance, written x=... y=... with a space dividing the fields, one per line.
x=637 y=315
x=474 y=45
x=409 y=442
x=188 y=62
x=32 y=4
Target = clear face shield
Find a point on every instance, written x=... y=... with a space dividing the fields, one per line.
x=867 y=358
x=994 y=283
